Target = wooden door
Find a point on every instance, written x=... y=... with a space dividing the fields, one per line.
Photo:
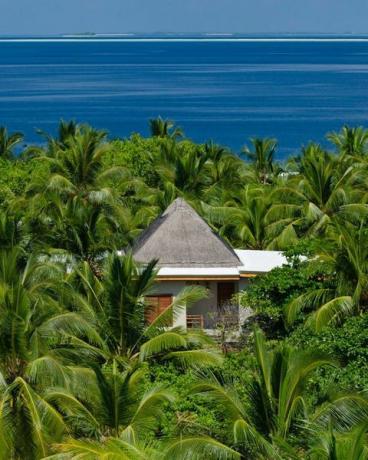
x=157 y=305
x=225 y=291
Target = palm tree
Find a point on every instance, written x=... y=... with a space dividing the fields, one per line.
x=275 y=399
x=12 y=231
x=340 y=446
x=28 y=422
x=344 y=257
x=77 y=168
x=350 y=142
x=32 y=325
x=81 y=231
x=226 y=170
x=164 y=128
x=8 y=142
x=49 y=336
x=127 y=447
x=67 y=130
x=250 y=219
x=120 y=318
x=78 y=209
x=114 y=405
x=197 y=172
x=262 y=159
x=123 y=448
x=318 y=192
x=184 y=168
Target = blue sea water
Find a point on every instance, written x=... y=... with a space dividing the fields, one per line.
x=227 y=91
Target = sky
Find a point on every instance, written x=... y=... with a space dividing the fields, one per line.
x=148 y=16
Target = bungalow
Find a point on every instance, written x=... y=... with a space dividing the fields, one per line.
x=190 y=252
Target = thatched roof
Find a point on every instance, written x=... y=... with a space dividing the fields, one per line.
x=181 y=238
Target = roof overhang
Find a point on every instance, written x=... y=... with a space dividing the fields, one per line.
x=197 y=274
x=197 y=278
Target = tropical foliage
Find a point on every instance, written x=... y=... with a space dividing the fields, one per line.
x=84 y=374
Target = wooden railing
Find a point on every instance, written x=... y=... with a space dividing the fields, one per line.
x=195 y=322
x=227 y=320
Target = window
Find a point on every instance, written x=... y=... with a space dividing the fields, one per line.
x=157 y=305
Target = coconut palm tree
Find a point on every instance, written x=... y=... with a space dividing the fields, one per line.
x=344 y=257
x=116 y=307
x=32 y=325
x=318 y=192
x=129 y=448
x=115 y=405
x=28 y=422
x=77 y=208
x=77 y=168
x=51 y=333
x=250 y=219
x=8 y=142
x=350 y=142
x=196 y=172
x=46 y=344
x=164 y=128
x=275 y=399
x=339 y=446
x=12 y=231
x=81 y=231
x=262 y=158
x=123 y=448
x=67 y=130
x=226 y=170
x=184 y=167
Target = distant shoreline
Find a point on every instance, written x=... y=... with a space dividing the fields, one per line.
x=190 y=37
x=85 y=39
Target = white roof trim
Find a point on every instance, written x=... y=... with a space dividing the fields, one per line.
x=194 y=271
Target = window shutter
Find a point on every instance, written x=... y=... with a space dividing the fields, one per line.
x=157 y=305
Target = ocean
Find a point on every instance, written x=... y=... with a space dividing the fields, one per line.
x=221 y=90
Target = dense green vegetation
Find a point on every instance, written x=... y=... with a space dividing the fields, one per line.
x=81 y=373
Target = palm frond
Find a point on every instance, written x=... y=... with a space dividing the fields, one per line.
x=197 y=358
x=162 y=343
x=331 y=312
x=198 y=448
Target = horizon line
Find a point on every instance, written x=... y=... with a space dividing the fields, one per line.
x=84 y=39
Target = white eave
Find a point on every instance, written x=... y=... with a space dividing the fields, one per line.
x=198 y=272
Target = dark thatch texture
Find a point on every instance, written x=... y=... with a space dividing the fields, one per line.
x=181 y=238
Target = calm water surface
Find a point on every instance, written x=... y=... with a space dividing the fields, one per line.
x=225 y=91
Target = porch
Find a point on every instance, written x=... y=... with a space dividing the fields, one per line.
x=220 y=309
